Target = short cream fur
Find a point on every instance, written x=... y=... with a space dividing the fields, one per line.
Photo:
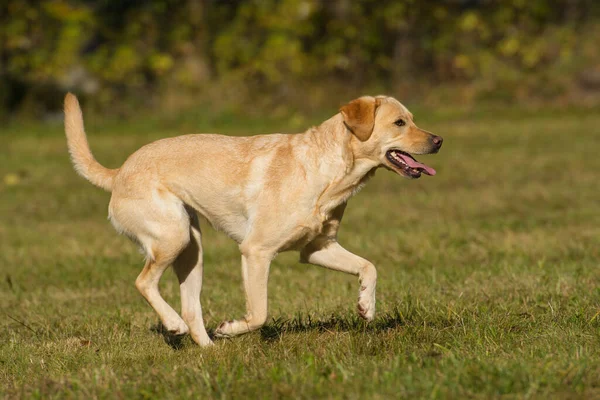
x=269 y=193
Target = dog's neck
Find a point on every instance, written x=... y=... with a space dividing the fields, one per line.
x=353 y=171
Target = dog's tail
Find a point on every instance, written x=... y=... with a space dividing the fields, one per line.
x=84 y=162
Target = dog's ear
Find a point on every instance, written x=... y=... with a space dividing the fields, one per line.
x=359 y=116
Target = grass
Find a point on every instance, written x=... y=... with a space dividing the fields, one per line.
x=488 y=276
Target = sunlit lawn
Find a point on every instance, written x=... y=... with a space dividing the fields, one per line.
x=488 y=284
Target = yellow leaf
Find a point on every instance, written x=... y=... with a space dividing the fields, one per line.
x=11 y=179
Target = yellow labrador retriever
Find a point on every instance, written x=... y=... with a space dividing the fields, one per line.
x=269 y=193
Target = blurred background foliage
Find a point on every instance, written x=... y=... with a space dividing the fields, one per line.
x=171 y=53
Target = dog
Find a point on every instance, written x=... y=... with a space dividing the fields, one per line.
x=269 y=193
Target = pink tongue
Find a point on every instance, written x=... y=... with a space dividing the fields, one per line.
x=415 y=164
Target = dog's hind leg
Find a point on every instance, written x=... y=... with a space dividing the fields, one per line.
x=189 y=267
x=147 y=284
x=161 y=225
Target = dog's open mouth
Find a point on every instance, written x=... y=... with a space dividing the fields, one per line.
x=407 y=164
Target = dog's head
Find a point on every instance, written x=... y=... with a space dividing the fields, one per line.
x=387 y=134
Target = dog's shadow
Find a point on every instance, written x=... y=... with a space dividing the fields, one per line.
x=174 y=341
x=335 y=323
x=279 y=327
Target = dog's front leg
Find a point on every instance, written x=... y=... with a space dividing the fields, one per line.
x=255 y=271
x=333 y=256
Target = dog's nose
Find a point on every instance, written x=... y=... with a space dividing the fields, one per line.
x=437 y=140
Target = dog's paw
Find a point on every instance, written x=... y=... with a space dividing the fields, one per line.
x=366 y=303
x=203 y=342
x=228 y=329
x=176 y=327
x=224 y=330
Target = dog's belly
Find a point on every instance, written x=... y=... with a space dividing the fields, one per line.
x=223 y=210
x=281 y=226
x=234 y=226
x=282 y=236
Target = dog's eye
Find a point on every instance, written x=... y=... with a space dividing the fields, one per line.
x=400 y=122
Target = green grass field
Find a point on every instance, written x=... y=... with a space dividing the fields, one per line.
x=489 y=276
